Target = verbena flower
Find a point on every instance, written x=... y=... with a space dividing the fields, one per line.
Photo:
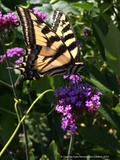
x=80 y=46
x=8 y=21
x=86 y=32
x=3 y=57
x=19 y=61
x=74 y=100
x=15 y=52
x=39 y=14
x=74 y=78
x=12 y=52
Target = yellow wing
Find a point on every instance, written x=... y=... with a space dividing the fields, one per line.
x=46 y=52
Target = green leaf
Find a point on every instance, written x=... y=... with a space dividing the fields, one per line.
x=104 y=7
x=99 y=32
x=55 y=124
x=7 y=103
x=7 y=128
x=66 y=7
x=117 y=109
x=100 y=138
x=39 y=1
x=112 y=80
x=44 y=157
x=59 y=131
x=108 y=55
x=97 y=78
x=112 y=45
x=53 y=152
x=18 y=32
x=83 y=5
x=41 y=85
x=46 y=8
x=94 y=12
x=58 y=81
x=106 y=112
x=32 y=157
x=6 y=9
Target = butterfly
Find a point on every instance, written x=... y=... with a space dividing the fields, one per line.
x=50 y=50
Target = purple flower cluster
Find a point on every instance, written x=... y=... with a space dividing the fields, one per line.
x=12 y=52
x=74 y=100
x=86 y=32
x=39 y=14
x=15 y=52
x=19 y=61
x=74 y=78
x=3 y=57
x=8 y=21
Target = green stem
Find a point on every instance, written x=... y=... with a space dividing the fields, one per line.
x=5 y=83
x=13 y=39
x=30 y=99
x=8 y=152
x=37 y=128
x=18 y=126
x=7 y=111
x=17 y=81
x=71 y=145
x=16 y=97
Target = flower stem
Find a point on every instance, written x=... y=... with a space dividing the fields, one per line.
x=37 y=123
x=8 y=152
x=70 y=145
x=5 y=84
x=16 y=96
x=22 y=119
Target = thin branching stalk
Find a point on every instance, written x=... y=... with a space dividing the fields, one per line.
x=37 y=124
x=30 y=99
x=5 y=84
x=16 y=97
x=8 y=152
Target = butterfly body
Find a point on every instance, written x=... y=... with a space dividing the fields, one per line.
x=50 y=50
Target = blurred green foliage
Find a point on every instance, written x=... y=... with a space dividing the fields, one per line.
x=97 y=134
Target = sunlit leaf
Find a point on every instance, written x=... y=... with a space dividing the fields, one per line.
x=117 y=109
x=83 y=5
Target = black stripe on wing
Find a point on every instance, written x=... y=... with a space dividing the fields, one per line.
x=63 y=27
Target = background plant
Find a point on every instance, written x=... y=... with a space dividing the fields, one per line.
x=97 y=26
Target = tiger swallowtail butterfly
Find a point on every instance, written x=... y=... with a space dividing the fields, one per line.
x=50 y=50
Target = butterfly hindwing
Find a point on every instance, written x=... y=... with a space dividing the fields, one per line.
x=63 y=27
